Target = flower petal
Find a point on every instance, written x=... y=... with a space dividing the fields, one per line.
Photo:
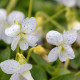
x=23 y=45
x=15 y=15
x=70 y=36
x=13 y=30
x=53 y=55
x=32 y=40
x=69 y=3
x=54 y=37
x=10 y=66
x=24 y=67
x=7 y=39
x=29 y=25
x=17 y=76
x=63 y=56
x=14 y=43
x=3 y=15
x=70 y=52
x=27 y=75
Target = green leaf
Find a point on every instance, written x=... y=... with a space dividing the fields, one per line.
x=67 y=77
x=5 y=54
x=38 y=73
x=4 y=76
x=75 y=63
x=38 y=59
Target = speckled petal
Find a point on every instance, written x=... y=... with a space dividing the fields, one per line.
x=17 y=76
x=23 y=45
x=54 y=37
x=29 y=25
x=15 y=15
x=15 y=42
x=32 y=40
x=27 y=75
x=53 y=54
x=13 y=30
x=24 y=67
x=63 y=56
x=10 y=66
x=3 y=15
x=70 y=36
x=70 y=52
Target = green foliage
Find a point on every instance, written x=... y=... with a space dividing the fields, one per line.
x=38 y=73
x=67 y=77
x=5 y=54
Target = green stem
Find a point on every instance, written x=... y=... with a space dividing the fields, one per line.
x=57 y=25
x=77 y=74
x=17 y=50
x=29 y=53
x=66 y=63
x=22 y=51
x=53 y=16
x=30 y=8
x=52 y=21
x=11 y=5
x=57 y=69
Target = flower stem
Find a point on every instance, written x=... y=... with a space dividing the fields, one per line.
x=77 y=74
x=22 y=51
x=30 y=8
x=66 y=63
x=58 y=68
x=17 y=50
x=29 y=53
x=11 y=5
x=57 y=25
x=52 y=21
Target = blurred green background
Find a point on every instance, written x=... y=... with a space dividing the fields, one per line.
x=43 y=70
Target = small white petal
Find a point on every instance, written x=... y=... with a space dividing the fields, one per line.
x=29 y=25
x=32 y=40
x=76 y=25
x=24 y=67
x=54 y=37
x=23 y=45
x=10 y=66
x=53 y=55
x=17 y=76
x=70 y=52
x=7 y=39
x=13 y=30
x=27 y=75
x=15 y=42
x=15 y=15
x=70 y=36
x=69 y=3
x=63 y=56
x=3 y=15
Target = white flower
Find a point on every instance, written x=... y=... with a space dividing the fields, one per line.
x=19 y=72
x=76 y=26
x=68 y=3
x=6 y=21
x=63 y=42
x=39 y=34
x=22 y=34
